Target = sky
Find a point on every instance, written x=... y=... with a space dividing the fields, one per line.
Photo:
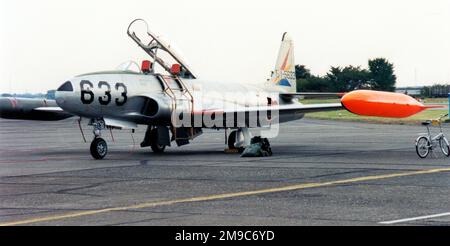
x=44 y=43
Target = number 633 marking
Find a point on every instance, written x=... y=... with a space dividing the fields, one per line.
x=87 y=96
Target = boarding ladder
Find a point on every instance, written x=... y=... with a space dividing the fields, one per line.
x=172 y=84
x=151 y=48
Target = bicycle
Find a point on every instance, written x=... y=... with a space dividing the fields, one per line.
x=426 y=143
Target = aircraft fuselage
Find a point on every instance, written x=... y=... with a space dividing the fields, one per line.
x=150 y=99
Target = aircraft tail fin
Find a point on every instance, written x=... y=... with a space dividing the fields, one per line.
x=284 y=72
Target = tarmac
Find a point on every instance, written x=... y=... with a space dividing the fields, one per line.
x=321 y=173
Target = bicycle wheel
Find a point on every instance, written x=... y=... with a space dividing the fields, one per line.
x=443 y=143
x=422 y=147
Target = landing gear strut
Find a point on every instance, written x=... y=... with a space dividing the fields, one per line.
x=98 y=148
x=232 y=141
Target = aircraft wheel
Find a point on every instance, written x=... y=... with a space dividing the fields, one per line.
x=156 y=147
x=99 y=148
x=232 y=141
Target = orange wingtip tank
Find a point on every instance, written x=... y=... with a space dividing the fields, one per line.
x=382 y=104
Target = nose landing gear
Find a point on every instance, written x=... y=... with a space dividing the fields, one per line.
x=98 y=148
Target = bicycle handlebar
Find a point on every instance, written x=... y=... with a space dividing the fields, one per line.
x=438 y=119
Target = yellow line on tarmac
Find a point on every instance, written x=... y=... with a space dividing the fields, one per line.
x=221 y=196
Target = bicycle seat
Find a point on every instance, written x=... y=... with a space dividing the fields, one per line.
x=426 y=123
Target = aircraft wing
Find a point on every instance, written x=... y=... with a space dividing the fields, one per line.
x=263 y=115
x=285 y=109
x=290 y=96
x=310 y=108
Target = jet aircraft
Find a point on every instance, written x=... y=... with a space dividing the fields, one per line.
x=175 y=105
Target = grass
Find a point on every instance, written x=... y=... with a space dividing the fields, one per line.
x=344 y=115
x=436 y=100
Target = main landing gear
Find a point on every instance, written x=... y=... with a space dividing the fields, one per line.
x=232 y=141
x=98 y=148
x=157 y=138
x=155 y=145
x=239 y=139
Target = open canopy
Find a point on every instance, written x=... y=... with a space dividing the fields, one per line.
x=152 y=44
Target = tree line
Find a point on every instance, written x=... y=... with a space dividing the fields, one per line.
x=437 y=90
x=378 y=76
